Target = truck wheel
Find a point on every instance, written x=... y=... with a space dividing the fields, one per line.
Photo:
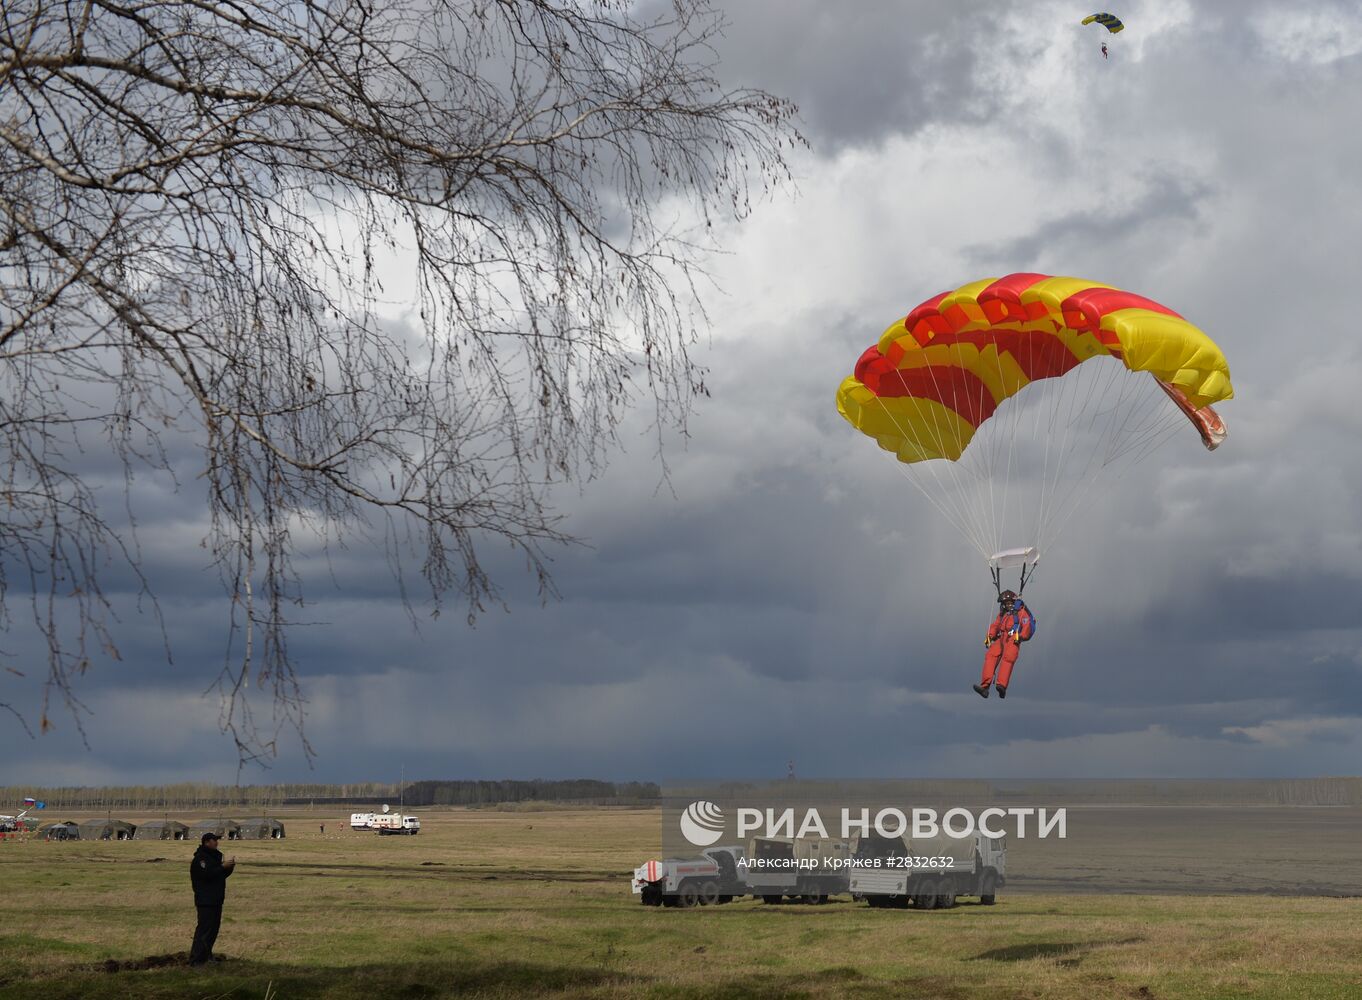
x=725 y=898
x=670 y=901
x=925 y=896
x=773 y=900
x=988 y=888
x=689 y=894
x=709 y=894
x=945 y=899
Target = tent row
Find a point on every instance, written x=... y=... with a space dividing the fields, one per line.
x=163 y=829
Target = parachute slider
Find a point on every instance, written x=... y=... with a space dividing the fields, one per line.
x=1011 y=558
x=1026 y=558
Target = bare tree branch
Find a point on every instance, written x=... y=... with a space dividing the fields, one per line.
x=199 y=202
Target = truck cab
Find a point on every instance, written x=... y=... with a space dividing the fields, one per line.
x=707 y=880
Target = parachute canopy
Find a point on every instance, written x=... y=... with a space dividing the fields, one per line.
x=937 y=375
x=1109 y=21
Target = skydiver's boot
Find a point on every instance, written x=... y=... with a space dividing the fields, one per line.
x=982 y=690
x=1002 y=691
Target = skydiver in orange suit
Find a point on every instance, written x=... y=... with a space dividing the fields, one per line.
x=1013 y=626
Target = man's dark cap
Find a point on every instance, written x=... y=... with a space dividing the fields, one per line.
x=210 y=835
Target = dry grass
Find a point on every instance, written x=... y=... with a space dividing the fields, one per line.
x=494 y=903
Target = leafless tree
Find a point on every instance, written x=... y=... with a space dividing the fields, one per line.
x=200 y=200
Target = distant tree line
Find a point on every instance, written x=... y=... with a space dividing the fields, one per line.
x=261 y=798
x=586 y=790
x=198 y=795
x=1325 y=791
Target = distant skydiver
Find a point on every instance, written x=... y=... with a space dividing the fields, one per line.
x=1109 y=21
x=1013 y=626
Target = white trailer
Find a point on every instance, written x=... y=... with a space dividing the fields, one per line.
x=361 y=821
x=930 y=873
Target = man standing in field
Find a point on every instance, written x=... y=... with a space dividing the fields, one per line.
x=208 y=874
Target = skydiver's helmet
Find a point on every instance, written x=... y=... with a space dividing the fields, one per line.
x=1008 y=600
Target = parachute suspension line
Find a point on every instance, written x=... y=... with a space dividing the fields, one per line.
x=1056 y=509
x=1052 y=397
x=986 y=455
x=981 y=463
x=962 y=496
x=1075 y=405
x=1058 y=448
x=1154 y=426
x=1011 y=425
x=958 y=516
x=1049 y=393
x=999 y=518
x=954 y=514
x=1137 y=425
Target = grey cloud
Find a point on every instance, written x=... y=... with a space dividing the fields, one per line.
x=788 y=594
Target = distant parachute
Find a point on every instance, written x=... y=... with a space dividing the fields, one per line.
x=1003 y=398
x=1109 y=21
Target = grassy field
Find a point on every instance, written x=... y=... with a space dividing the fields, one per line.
x=488 y=903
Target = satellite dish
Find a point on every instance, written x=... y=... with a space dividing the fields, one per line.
x=385 y=807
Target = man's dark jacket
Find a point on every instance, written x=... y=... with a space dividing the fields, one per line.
x=209 y=876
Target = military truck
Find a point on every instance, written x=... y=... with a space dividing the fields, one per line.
x=807 y=869
x=928 y=873
x=770 y=868
x=708 y=880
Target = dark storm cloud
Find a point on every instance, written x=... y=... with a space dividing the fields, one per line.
x=786 y=593
x=1170 y=206
x=861 y=72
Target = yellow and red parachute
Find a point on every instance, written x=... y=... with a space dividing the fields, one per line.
x=941 y=375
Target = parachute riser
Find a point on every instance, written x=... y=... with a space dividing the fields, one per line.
x=1026 y=573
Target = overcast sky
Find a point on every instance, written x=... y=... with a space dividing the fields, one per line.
x=789 y=594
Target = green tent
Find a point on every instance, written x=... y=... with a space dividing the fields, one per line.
x=162 y=829
x=261 y=829
x=226 y=829
x=106 y=829
x=63 y=830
